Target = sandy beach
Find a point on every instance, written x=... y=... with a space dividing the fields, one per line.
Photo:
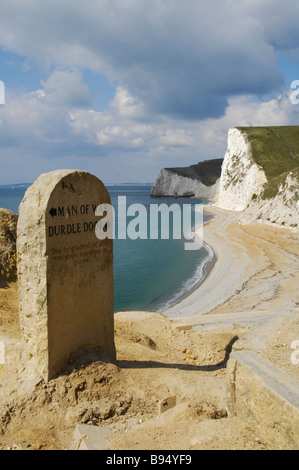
x=256 y=270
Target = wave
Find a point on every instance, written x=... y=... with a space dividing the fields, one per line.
x=192 y=282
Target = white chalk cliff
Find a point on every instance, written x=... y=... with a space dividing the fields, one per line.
x=240 y=176
x=242 y=184
x=174 y=185
x=199 y=180
x=283 y=209
x=237 y=183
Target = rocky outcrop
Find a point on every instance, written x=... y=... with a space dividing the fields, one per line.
x=245 y=187
x=8 y=237
x=200 y=180
x=241 y=177
x=282 y=209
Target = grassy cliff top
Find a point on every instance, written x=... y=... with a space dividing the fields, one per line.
x=207 y=172
x=276 y=149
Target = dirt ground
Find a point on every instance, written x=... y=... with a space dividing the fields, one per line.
x=278 y=349
x=9 y=308
x=155 y=361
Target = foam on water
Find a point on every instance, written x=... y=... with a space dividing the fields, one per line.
x=192 y=282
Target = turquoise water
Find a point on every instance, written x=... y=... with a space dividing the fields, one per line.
x=11 y=197
x=148 y=274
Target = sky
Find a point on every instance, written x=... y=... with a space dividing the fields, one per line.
x=123 y=88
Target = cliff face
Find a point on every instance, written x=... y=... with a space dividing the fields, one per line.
x=282 y=209
x=258 y=177
x=200 y=180
x=241 y=177
x=255 y=189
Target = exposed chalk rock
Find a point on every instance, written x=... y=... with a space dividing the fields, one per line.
x=241 y=177
x=243 y=185
x=200 y=180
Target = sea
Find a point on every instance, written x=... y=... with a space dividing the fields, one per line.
x=150 y=275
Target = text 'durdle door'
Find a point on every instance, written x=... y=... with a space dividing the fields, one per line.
x=65 y=272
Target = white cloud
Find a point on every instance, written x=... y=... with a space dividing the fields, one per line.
x=117 y=127
x=128 y=106
x=46 y=132
x=242 y=111
x=186 y=72
x=176 y=137
x=66 y=88
x=279 y=19
x=42 y=116
x=182 y=59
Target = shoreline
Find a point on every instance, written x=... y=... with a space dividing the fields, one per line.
x=256 y=269
x=207 y=267
x=207 y=270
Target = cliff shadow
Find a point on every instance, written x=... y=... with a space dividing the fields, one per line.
x=139 y=364
x=3 y=284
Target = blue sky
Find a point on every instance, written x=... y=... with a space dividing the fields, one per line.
x=123 y=88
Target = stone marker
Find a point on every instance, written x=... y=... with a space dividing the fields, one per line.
x=65 y=273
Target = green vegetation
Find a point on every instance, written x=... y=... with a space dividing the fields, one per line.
x=276 y=150
x=207 y=172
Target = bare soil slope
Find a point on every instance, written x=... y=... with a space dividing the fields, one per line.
x=155 y=361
